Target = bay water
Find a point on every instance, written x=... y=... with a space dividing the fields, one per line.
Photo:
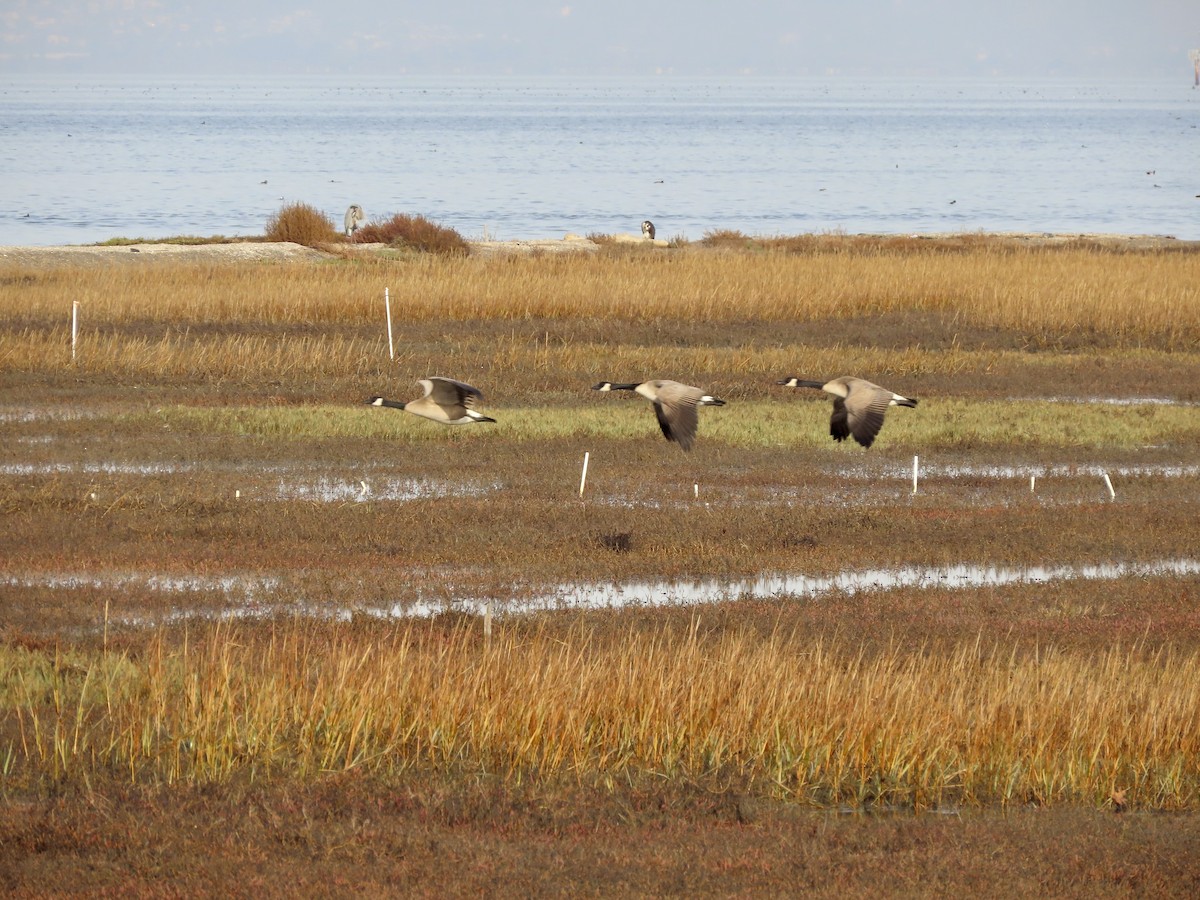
x=521 y=158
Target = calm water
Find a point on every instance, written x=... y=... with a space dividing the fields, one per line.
x=526 y=158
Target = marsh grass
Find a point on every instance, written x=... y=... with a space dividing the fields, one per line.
x=186 y=240
x=820 y=722
x=227 y=380
x=1050 y=296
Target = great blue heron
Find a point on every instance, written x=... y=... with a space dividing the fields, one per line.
x=648 y=229
x=354 y=217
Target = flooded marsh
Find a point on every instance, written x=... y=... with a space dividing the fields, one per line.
x=205 y=521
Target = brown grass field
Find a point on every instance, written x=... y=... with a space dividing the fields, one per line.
x=242 y=627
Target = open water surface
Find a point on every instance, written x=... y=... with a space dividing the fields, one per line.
x=84 y=161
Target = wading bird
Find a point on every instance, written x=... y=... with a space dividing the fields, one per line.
x=648 y=229
x=354 y=217
x=446 y=400
x=674 y=406
x=858 y=406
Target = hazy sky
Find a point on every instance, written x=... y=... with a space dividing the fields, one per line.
x=1093 y=38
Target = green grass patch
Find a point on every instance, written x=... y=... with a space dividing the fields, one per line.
x=937 y=423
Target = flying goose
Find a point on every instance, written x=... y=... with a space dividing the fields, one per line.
x=674 y=406
x=858 y=406
x=446 y=401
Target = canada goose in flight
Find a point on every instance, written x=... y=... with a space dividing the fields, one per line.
x=858 y=406
x=674 y=406
x=446 y=401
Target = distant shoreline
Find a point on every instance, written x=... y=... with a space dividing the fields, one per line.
x=251 y=251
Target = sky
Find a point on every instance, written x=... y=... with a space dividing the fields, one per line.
x=924 y=38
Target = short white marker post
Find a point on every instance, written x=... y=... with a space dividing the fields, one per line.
x=387 y=306
x=487 y=620
x=237 y=495
x=1032 y=482
x=696 y=490
x=914 y=474
x=583 y=477
x=1112 y=495
x=74 y=327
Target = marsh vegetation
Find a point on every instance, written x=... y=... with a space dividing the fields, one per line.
x=227 y=577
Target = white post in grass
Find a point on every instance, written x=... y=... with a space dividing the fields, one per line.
x=487 y=620
x=74 y=327
x=1032 y=482
x=914 y=474
x=583 y=477
x=387 y=305
x=1112 y=495
x=696 y=490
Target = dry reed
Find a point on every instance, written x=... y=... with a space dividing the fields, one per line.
x=1134 y=299
x=823 y=723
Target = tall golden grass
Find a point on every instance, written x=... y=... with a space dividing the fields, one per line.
x=168 y=351
x=1137 y=299
x=821 y=723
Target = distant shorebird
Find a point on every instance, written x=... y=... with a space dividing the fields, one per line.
x=648 y=229
x=446 y=400
x=858 y=406
x=675 y=406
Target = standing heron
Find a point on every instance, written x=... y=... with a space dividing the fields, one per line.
x=858 y=406
x=354 y=217
x=446 y=400
x=675 y=406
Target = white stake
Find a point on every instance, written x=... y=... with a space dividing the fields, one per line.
x=1112 y=495
x=387 y=305
x=583 y=477
x=696 y=490
x=237 y=495
x=1032 y=482
x=74 y=327
x=487 y=620
x=914 y=474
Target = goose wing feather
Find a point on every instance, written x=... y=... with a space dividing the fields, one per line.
x=678 y=420
x=449 y=392
x=839 y=428
x=865 y=408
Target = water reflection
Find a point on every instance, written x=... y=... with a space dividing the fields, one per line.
x=766 y=587
x=252 y=596
x=335 y=490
